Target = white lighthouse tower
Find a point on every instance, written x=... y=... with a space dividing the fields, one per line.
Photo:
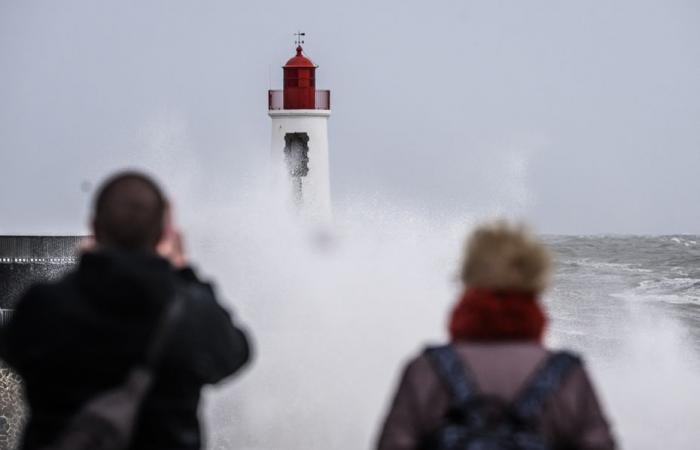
x=299 y=116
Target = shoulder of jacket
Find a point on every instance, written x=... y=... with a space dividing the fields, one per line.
x=419 y=365
x=45 y=291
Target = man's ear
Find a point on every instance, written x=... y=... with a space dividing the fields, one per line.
x=96 y=229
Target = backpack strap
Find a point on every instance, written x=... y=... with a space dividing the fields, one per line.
x=545 y=381
x=166 y=323
x=453 y=373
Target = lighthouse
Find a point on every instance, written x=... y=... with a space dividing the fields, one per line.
x=299 y=141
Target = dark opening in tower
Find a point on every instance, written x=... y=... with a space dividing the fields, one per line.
x=296 y=155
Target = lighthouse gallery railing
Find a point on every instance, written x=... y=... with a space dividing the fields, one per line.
x=275 y=99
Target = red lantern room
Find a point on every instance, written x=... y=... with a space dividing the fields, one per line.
x=299 y=82
x=299 y=85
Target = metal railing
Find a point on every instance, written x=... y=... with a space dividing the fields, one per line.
x=5 y=315
x=275 y=100
x=31 y=248
x=323 y=99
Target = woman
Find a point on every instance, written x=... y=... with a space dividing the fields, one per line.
x=496 y=332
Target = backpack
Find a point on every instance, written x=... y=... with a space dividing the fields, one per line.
x=475 y=421
x=107 y=421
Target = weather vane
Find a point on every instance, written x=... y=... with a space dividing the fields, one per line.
x=299 y=40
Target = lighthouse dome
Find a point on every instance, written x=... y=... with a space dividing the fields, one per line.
x=299 y=60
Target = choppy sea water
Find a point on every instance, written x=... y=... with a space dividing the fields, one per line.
x=333 y=319
x=631 y=305
x=333 y=329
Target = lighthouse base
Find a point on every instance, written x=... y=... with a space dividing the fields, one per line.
x=299 y=147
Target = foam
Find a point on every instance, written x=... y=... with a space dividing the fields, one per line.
x=335 y=311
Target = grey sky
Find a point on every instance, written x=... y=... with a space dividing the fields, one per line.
x=583 y=116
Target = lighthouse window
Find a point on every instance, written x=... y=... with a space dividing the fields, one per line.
x=296 y=155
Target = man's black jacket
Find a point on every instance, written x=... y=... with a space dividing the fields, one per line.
x=72 y=339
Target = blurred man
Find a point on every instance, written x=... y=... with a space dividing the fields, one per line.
x=80 y=336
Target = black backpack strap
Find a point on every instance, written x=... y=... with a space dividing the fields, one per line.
x=453 y=373
x=545 y=381
x=167 y=321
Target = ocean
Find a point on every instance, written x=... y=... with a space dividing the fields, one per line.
x=631 y=306
x=335 y=325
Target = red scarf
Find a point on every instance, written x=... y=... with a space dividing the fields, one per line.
x=484 y=315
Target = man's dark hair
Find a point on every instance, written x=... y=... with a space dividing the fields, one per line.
x=129 y=212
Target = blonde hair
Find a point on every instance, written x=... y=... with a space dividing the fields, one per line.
x=505 y=257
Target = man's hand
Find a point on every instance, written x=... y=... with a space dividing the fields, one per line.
x=171 y=245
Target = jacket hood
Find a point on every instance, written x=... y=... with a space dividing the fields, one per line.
x=116 y=280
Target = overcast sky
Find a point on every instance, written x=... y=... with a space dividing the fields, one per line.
x=582 y=116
